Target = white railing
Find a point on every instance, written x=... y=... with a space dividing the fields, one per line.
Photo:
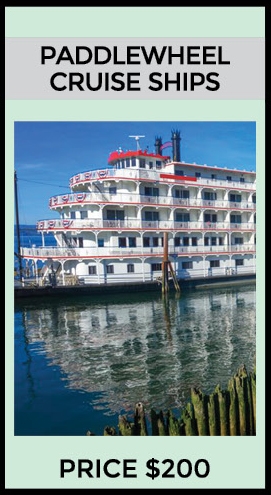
x=97 y=223
x=154 y=175
x=93 y=252
x=87 y=198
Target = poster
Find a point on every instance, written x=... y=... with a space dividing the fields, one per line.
x=53 y=55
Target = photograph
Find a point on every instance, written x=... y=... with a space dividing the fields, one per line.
x=134 y=278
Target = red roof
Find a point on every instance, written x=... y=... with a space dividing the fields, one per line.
x=118 y=155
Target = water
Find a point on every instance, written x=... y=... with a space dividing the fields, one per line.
x=80 y=362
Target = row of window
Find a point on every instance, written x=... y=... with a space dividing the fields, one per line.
x=157 y=267
x=143 y=163
x=153 y=216
x=154 y=241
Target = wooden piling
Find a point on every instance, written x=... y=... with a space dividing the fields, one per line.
x=175 y=427
x=234 y=429
x=110 y=431
x=198 y=400
x=140 y=420
x=253 y=396
x=224 y=412
x=213 y=414
x=223 y=402
x=126 y=428
x=188 y=420
x=241 y=389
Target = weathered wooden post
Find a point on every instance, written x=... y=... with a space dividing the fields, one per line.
x=126 y=428
x=233 y=409
x=201 y=414
x=109 y=431
x=241 y=389
x=223 y=402
x=213 y=415
x=189 y=421
x=253 y=395
x=175 y=428
x=140 y=420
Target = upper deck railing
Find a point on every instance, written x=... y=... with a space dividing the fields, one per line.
x=88 y=198
x=135 y=224
x=76 y=252
x=154 y=175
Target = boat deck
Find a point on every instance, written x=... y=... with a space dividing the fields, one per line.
x=80 y=290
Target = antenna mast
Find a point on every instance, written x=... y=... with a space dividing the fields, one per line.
x=137 y=141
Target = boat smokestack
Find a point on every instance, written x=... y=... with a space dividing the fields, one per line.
x=158 y=144
x=176 y=146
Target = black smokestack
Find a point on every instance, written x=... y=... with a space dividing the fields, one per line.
x=176 y=146
x=158 y=144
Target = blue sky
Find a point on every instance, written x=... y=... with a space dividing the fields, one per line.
x=47 y=154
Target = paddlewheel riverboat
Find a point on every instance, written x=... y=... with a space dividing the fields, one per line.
x=110 y=227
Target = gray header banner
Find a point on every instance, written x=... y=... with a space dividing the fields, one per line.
x=135 y=68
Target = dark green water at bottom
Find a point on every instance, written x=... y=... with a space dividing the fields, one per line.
x=80 y=362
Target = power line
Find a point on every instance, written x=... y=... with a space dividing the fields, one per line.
x=43 y=183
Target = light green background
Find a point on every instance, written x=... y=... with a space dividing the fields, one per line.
x=236 y=462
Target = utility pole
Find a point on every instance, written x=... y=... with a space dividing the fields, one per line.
x=18 y=228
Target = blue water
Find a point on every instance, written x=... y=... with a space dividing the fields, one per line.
x=82 y=361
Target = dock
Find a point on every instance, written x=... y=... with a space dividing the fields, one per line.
x=33 y=290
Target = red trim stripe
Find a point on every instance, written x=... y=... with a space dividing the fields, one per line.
x=177 y=177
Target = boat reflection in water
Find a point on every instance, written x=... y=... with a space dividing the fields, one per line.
x=122 y=349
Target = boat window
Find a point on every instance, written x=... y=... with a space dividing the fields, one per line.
x=238 y=240
x=83 y=214
x=100 y=242
x=132 y=241
x=177 y=241
x=92 y=270
x=214 y=263
x=208 y=217
x=151 y=216
x=156 y=267
x=209 y=196
x=142 y=163
x=181 y=193
x=213 y=241
x=109 y=268
x=130 y=268
x=187 y=265
x=235 y=218
x=133 y=162
x=194 y=241
x=236 y=198
x=146 y=242
x=182 y=217
x=122 y=242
